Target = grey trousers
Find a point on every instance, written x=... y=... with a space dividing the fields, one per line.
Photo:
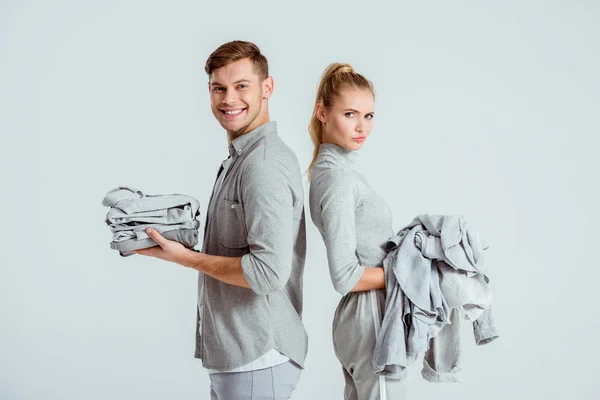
x=275 y=383
x=355 y=326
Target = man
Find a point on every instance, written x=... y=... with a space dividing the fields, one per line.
x=250 y=334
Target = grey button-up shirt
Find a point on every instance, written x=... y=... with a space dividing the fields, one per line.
x=256 y=212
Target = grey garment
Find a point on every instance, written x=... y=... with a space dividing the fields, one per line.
x=138 y=230
x=132 y=201
x=165 y=216
x=442 y=360
x=256 y=213
x=274 y=383
x=459 y=246
x=484 y=328
x=416 y=309
x=354 y=222
x=462 y=249
x=132 y=212
x=187 y=237
x=423 y=291
x=355 y=327
x=469 y=293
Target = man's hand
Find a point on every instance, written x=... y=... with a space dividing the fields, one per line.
x=225 y=269
x=167 y=250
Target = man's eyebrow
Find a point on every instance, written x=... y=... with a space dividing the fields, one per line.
x=236 y=82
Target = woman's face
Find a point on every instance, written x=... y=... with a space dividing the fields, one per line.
x=349 y=121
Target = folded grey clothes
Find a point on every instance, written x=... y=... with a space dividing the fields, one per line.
x=187 y=237
x=434 y=273
x=132 y=212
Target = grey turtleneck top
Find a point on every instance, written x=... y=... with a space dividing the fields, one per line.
x=354 y=221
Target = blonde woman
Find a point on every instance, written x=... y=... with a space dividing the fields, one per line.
x=354 y=223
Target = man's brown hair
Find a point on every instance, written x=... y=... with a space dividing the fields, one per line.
x=234 y=51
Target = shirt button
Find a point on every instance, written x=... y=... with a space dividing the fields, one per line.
x=233 y=206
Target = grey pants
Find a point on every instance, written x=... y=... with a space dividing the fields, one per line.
x=356 y=323
x=275 y=383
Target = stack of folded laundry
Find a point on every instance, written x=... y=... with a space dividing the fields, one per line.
x=435 y=274
x=132 y=212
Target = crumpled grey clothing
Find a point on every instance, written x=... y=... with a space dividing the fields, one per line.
x=415 y=307
x=458 y=246
x=469 y=293
x=428 y=284
x=187 y=237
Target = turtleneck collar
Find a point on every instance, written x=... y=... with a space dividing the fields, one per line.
x=336 y=154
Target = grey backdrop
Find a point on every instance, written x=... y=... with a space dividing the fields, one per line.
x=487 y=109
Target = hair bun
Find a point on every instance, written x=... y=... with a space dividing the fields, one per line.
x=344 y=68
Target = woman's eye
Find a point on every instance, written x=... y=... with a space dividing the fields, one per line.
x=369 y=116
x=349 y=114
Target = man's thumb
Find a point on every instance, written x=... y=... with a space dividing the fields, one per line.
x=157 y=237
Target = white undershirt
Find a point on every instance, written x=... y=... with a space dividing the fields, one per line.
x=267 y=360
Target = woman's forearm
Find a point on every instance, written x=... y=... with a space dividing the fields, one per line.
x=372 y=278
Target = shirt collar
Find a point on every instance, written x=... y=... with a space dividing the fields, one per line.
x=242 y=143
x=337 y=154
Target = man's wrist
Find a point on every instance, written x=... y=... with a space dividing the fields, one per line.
x=192 y=259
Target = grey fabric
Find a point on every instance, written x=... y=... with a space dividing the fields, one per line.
x=132 y=212
x=415 y=307
x=355 y=224
x=459 y=247
x=428 y=284
x=187 y=237
x=256 y=212
x=470 y=293
x=274 y=383
x=131 y=201
x=138 y=231
x=165 y=216
x=484 y=328
x=441 y=362
x=353 y=220
x=355 y=326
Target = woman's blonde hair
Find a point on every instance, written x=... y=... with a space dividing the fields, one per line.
x=337 y=77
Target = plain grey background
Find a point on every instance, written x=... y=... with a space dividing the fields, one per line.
x=485 y=109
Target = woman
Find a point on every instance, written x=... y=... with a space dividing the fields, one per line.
x=354 y=223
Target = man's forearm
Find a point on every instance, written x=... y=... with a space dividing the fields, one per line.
x=225 y=269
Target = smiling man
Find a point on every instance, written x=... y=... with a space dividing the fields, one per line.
x=250 y=334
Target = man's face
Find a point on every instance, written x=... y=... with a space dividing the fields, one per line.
x=238 y=97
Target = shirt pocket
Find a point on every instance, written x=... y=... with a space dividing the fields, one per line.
x=233 y=232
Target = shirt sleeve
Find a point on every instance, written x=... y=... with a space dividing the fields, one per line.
x=269 y=198
x=337 y=201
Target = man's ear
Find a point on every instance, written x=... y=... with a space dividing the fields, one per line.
x=267 y=86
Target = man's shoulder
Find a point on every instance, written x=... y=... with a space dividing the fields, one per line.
x=272 y=151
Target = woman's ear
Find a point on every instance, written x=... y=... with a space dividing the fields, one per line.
x=321 y=113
